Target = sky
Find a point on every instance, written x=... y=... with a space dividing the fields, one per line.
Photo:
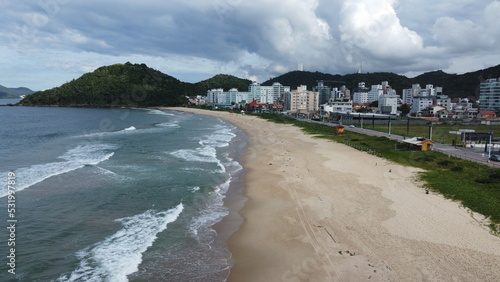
x=45 y=43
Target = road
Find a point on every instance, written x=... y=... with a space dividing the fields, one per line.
x=475 y=155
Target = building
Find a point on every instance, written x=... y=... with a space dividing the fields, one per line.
x=216 y=96
x=489 y=95
x=425 y=98
x=337 y=106
x=267 y=94
x=360 y=94
x=409 y=93
x=486 y=115
x=419 y=143
x=325 y=92
x=444 y=101
x=388 y=104
x=302 y=100
x=375 y=93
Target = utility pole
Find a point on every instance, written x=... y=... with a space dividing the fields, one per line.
x=430 y=130
x=389 y=126
x=408 y=125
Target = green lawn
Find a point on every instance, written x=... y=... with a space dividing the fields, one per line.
x=440 y=132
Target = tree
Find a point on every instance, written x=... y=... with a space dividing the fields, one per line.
x=404 y=109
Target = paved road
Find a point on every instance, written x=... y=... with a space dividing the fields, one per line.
x=476 y=155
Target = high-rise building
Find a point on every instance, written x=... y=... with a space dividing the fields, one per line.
x=360 y=94
x=302 y=100
x=489 y=95
x=325 y=92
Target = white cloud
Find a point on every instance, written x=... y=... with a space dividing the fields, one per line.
x=373 y=28
x=254 y=39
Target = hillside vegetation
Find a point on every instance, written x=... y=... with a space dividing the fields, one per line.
x=129 y=85
x=454 y=85
x=13 y=93
x=116 y=85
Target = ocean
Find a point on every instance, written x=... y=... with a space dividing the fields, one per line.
x=117 y=194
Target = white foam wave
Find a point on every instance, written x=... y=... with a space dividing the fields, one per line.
x=220 y=138
x=174 y=124
x=130 y=128
x=211 y=215
x=159 y=112
x=194 y=189
x=91 y=154
x=120 y=254
x=205 y=154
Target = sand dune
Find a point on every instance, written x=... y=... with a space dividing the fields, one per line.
x=322 y=211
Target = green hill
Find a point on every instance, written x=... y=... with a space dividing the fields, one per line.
x=455 y=85
x=223 y=81
x=129 y=85
x=13 y=93
x=116 y=85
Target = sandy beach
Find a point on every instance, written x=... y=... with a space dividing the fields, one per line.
x=322 y=211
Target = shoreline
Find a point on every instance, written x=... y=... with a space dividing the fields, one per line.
x=322 y=211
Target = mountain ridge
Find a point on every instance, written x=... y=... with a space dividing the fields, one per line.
x=138 y=85
x=14 y=93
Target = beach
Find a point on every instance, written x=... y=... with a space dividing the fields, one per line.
x=322 y=211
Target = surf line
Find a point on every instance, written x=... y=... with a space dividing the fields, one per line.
x=11 y=222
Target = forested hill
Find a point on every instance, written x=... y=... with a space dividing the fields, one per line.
x=12 y=93
x=116 y=85
x=129 y=85
x=454 y=85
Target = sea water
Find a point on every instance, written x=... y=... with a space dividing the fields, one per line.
x=116 y=194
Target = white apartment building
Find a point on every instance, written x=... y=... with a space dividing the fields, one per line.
x=375 y=93
x=427 y=97
x=388 y=104
x=360 y=94
x=216 y=96
x=219 y=97
x=338 y=106
x=409 y=93
x=267 y=94
x=420 y=103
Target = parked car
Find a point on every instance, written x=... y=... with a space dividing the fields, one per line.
x=495 y=158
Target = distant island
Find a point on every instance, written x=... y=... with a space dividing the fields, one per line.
x=14 y=93
x=138 y=85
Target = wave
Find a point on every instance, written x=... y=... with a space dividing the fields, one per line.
x=91 y=154
x=220 y=138
x=159 y=112
x=205 y=154
x=200 y=226
x=130 y=128
x=120 y=254
x=174 y=124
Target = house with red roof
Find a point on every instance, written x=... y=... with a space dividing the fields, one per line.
x=486 y=115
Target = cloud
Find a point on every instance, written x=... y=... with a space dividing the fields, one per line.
x=254 y=39
x=467 y=36
x=373 y=28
